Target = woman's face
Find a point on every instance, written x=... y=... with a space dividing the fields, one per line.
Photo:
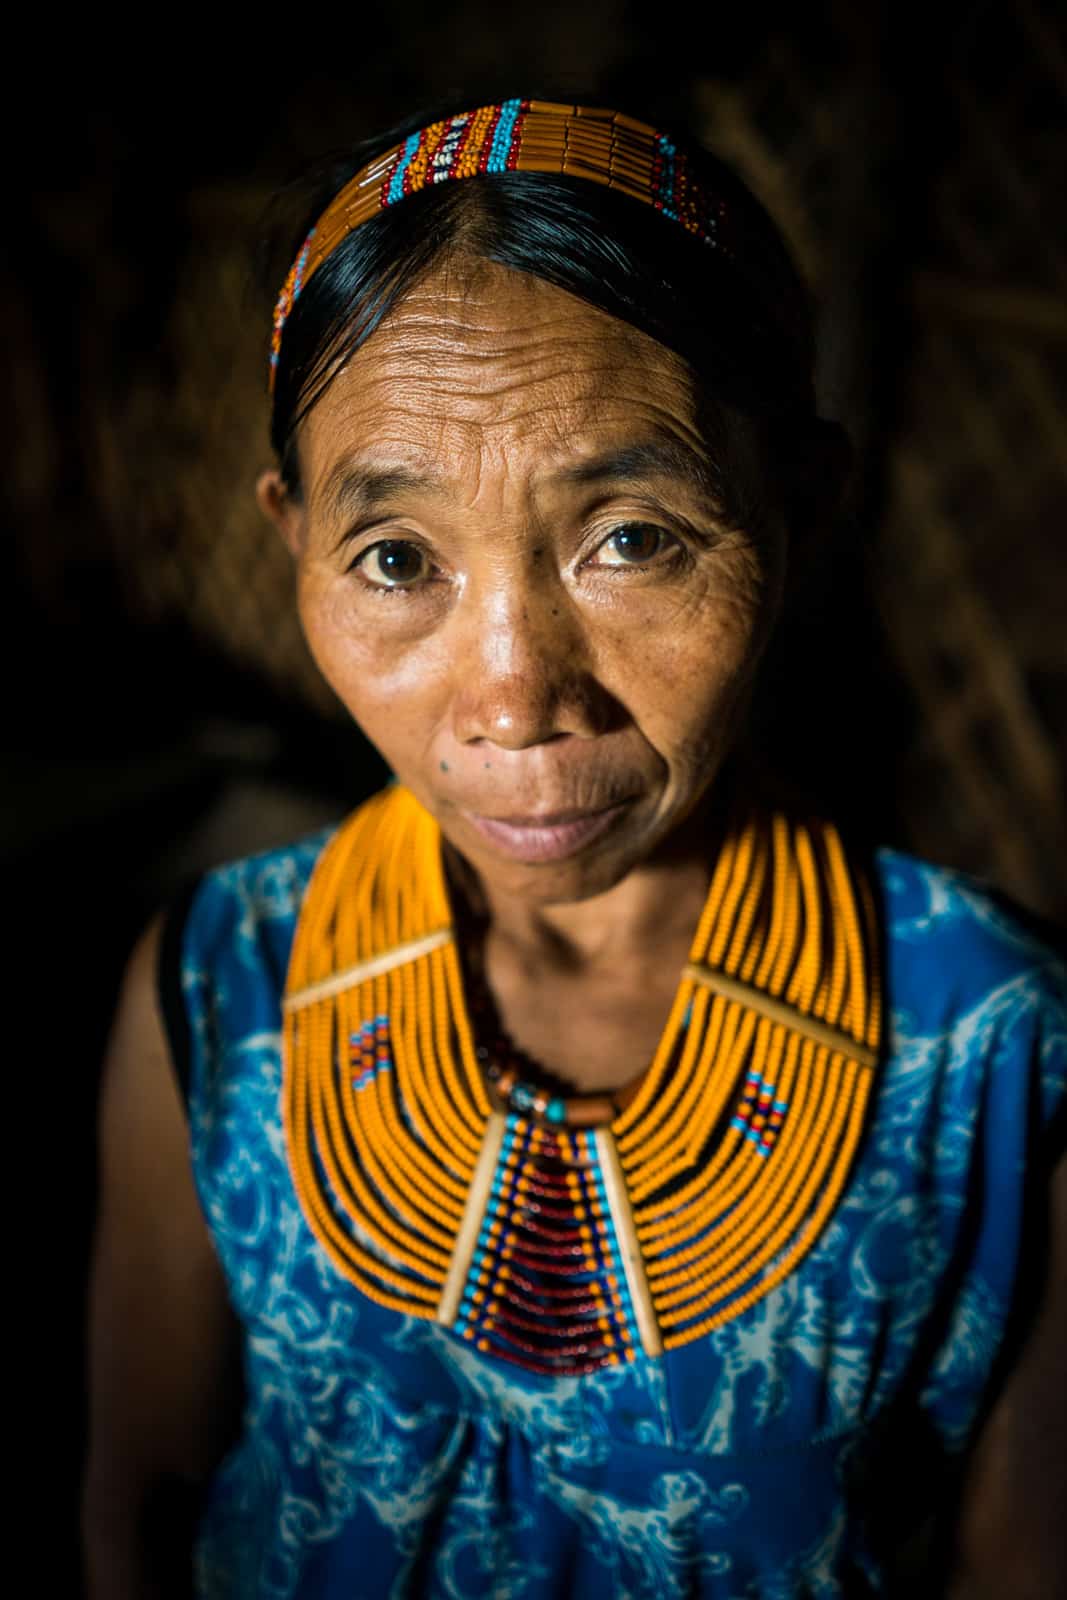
x=513 y=571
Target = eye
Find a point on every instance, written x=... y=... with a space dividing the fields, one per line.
x=393 y=564
x=635 y=544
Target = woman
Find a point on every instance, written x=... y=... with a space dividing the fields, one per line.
x=604 y=1182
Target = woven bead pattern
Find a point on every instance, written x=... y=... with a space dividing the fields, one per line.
x=546 y=1288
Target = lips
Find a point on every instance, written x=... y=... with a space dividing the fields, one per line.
x=547 y=836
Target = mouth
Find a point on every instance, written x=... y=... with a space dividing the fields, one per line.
x=546 y=837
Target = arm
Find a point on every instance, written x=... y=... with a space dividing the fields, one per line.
x=1011 y=1533
x=162 y=1338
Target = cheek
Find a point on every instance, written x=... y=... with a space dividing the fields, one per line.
x=324 y=617
x=685 y=675
x=380 y=675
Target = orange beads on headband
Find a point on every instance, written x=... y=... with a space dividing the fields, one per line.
x=601 y=146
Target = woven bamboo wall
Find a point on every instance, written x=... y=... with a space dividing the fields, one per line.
x=973 y=538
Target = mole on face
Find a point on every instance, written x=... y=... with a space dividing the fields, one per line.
x=444 y=766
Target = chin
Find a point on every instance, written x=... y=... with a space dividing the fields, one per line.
x=582 y=876
x=563 y=883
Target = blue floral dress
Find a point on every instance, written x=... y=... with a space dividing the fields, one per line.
x=785 y=1454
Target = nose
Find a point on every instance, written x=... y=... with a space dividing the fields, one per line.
x=522 y=672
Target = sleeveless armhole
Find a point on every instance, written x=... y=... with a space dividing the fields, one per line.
x=169 y=985
x=1052 y=1137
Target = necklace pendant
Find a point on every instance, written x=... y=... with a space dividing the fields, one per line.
x=522 y=1099
x=545 y=1279
x=525 y=1101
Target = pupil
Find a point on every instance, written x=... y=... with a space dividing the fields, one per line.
x=398 y=561
x=636 y=541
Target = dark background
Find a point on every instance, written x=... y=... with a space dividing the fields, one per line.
x=160 y=712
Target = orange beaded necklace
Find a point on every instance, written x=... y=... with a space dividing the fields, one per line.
x=565 y=1247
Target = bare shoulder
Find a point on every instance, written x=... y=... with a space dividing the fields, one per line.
x=162 y=1333
x=146 y=1178
x=1011 y=1533
x=139 y=1089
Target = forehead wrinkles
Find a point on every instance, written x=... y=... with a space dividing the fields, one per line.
x=502 y=385
x=493 y=345
x=528 y=429
x=489 y=306
x=511 y=371
x=527 y=447
x=541 y=416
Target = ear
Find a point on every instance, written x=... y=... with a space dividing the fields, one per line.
x=277 y=502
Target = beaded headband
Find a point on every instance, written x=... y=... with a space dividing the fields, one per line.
x=602 y=146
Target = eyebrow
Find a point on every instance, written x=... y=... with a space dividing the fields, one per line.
x=357 y=490
x=650 y=458
x=354 y=489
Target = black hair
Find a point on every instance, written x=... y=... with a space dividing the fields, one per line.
x=742 y=323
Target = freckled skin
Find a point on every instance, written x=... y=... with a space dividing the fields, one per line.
x=533 y=667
